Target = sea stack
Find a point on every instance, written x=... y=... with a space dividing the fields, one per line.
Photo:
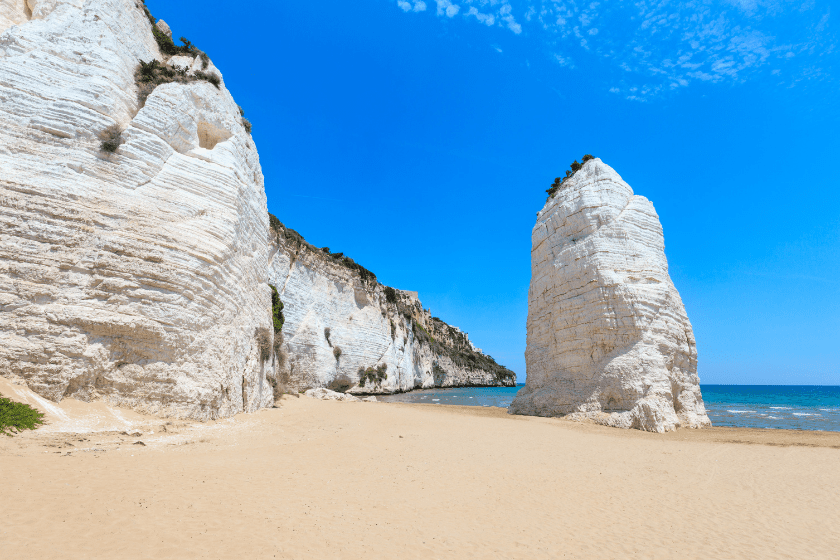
x=608 y=337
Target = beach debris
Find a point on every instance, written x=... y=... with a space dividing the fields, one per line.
x=139 y=443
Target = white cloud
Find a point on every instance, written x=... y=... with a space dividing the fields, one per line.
x=664 y=46
x=507 y=17
x=562 y=60
x=445 y=7
x=529 y=15
x=486 y=19
x=419 y=6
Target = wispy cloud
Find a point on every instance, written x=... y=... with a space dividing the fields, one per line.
x=486 y=19
x=661 y=45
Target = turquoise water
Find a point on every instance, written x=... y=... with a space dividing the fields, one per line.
x=788 y=407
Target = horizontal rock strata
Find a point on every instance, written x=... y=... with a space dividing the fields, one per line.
x=608 y=336
x=136 y=276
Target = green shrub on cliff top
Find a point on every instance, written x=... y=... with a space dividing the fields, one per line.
x=16 y=417
x=558 y=182
x=367 y=277
x=149 y=75
x=167 y=45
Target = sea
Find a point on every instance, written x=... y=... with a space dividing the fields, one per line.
x=783 y=407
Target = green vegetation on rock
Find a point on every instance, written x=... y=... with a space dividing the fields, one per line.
x=16 y=417
x=558 y=182
x=374 y=376
x=149 y=75
x=295 y=238
x=168 y=47
x=276 y=310
x=390 y=294
x=111 y=139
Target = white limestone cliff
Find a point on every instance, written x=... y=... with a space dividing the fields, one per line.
x=142 y=277
x=414 y=349
x=608 y=336
x=136 y=277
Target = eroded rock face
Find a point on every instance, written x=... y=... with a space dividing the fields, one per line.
x=608 y=336
x=137 y=277
x=142 y=277
x=412 y=348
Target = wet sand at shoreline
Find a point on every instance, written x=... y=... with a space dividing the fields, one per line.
x=315 y=479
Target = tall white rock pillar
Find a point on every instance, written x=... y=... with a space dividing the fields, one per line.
x=608 y=336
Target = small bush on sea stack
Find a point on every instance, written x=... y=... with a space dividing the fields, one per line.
x=16 y=417
x=245 y=122
x=558 y=182
x=111 y=139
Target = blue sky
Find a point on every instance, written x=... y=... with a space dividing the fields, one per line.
x=419 y=138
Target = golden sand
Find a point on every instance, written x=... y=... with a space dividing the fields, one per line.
x=314 y=479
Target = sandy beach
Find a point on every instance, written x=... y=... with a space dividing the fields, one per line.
x=315 y=479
